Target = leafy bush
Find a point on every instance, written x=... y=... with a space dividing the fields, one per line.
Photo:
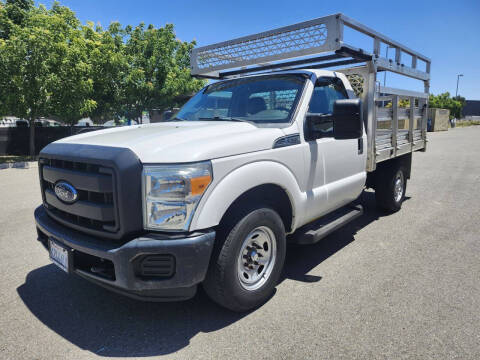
x=444 y=101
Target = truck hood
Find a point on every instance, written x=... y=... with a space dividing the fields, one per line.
x=183 y=141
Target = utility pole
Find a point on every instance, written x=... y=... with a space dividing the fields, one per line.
x=458 y=79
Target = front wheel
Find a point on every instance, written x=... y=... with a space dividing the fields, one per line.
x=247 y=260
x=390 y=189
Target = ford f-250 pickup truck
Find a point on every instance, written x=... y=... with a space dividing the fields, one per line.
x=276 y=149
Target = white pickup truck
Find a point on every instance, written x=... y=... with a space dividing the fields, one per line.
x=276 y=150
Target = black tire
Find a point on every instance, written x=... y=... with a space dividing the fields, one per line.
x=222 y=283
x=386 y=196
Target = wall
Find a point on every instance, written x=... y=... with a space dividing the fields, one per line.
x=438 y=119
x=15 y=140
x=471 y=108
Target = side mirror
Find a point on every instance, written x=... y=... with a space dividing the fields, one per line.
x=347 y=119
x=318 y=125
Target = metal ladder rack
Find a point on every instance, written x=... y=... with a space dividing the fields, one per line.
x=270 y=49
x=320 y=43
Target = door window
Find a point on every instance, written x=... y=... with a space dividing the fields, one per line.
x=326 y=91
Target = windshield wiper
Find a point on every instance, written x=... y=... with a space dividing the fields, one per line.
x=218 y=118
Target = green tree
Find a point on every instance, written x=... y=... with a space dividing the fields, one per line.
x=50 y=64
x=45 y=68
x=27 y=68
x=71 y=99
x=460 y=98
x=13 y=12
x=403 y=103
x=158 y=69
x=107 y=57
x=444 y=101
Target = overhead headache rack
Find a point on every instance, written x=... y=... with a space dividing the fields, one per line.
x=392 y=129
x=318 y=43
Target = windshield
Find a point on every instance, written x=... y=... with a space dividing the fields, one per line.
x=260 y=99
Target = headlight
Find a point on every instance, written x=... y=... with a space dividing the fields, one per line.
x=171 y=194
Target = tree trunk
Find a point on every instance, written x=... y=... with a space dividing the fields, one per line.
x=32 y=137
x=150 y=115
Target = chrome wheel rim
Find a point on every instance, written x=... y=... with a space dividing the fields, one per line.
x=398 y=187
x=257 y=258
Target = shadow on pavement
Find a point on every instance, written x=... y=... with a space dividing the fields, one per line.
x=301 y=259
x=108 y=324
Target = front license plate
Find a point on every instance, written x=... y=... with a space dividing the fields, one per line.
x=58 y=255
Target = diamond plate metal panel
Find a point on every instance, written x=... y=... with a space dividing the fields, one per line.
x=357 y=81
x=307 y=38
x=290 y=41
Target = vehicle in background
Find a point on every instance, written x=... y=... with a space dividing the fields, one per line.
x=9 y=121
x=16 y=122
x=22 y=123
x=121 y=122
x=277 y=149
x=85 y=122
x=167 y=114
x=109 y=123
x=47 y=123
x=129 y=122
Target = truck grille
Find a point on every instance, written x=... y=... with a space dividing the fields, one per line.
x=95 y=208
x=108 y=181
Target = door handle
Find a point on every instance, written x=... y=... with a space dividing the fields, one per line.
x=360 y=146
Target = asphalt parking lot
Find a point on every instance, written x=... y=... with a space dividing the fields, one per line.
x=396 y=286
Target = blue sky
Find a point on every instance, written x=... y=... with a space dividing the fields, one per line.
x=446 y=31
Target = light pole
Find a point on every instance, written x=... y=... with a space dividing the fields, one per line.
x=458 y=79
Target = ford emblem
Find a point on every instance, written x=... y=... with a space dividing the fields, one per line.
x=66 y=192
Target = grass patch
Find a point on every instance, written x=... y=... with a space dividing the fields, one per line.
x=467 y=123
x=16 y=158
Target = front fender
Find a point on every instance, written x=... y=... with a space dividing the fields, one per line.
x=218 y=198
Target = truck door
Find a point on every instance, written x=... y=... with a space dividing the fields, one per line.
x=343 y=161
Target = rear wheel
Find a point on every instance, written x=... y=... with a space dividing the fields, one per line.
x=390 y=188
x=247 y=260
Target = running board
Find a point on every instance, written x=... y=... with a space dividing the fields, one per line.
x=317 y=230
